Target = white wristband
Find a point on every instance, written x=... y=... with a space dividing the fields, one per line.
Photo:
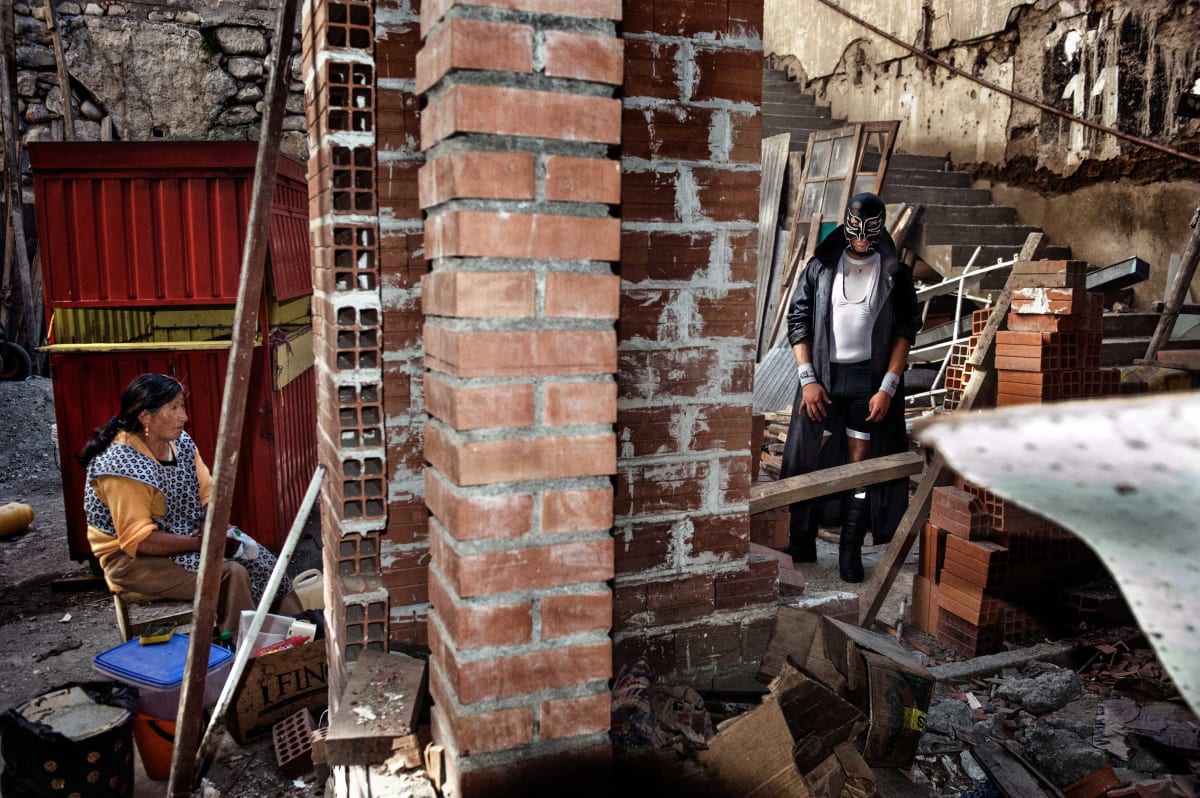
x=890 y=383
x=807 y=375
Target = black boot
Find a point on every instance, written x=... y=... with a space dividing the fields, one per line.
x=854 y=530
x=802 y=537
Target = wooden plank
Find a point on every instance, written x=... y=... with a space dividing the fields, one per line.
x=1179 y=289
x=833 y=480
x=379 y=710
x=774 y=164
x=64 y=79
x=1008 y=773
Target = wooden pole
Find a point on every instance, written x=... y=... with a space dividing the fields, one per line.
x=12 y=172
x=1179 y=289
x=64 y=80
x=233 y=409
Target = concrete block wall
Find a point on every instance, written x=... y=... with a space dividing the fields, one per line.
x=687 y=594
x=340 y=84
x=520 y=191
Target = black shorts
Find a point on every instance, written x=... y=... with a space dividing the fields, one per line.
x=851 y=391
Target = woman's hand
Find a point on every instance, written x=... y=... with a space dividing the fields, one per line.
x=813 y=401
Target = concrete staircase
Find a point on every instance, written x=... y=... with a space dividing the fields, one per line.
x=956 y=218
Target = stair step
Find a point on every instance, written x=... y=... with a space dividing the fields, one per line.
x=1130 y=325
x=927 y=177
x=911 y=194
x=947 y=259
x=968 y=214
x=790 y=93
x=931 y=231
x=904 y=160
x=796 y=112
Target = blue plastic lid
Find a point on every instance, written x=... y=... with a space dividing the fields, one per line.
x=158 y=665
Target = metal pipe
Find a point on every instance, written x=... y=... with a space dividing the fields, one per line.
x=208 y=744
x=233 y=410
x=1050 y=109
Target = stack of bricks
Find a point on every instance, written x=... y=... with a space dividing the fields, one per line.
x=338 y=39
x=958 y=370
x=521 y=351
x=987 y=570
x=688 y=596
x=1051 y=349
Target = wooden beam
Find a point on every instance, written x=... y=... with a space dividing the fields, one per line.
x=815 y=484
x=64 y=79
x=881 y=581
x=189 y=720
x=1179 y=289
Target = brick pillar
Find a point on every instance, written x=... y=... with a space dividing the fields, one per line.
x=688 y=595
x=339 y=70
x=519 y=190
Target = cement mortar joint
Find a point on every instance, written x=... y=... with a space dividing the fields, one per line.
x=589 y=210
x=507 y=489
x=490 y=142
x=540 y=267
x=531 y=433
x=533 y=540
x=706 y=42
x=534 y=20
x=514 y=80
x=546 y=325
x=533 y=596
x=643 y=103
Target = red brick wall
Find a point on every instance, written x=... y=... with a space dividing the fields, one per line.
x=520 y=347
x=464 y=312
x=687 y=596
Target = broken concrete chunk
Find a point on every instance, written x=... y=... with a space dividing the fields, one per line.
x=1045 y=693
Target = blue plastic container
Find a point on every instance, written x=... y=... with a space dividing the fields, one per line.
x=157 y=671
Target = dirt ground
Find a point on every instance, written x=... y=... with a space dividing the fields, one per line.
x=49 y=636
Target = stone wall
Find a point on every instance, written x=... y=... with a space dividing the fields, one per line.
x=155 y=70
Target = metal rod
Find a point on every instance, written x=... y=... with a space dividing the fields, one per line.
x=233 y=410
x=1179 y=289
x=209 y=743
x=987 y=84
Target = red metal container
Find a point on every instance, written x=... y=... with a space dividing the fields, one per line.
x=125 y=224
x=132 y=231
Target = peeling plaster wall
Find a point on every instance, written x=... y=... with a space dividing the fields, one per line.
x=1124 y=65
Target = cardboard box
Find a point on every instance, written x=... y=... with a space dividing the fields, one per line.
x=769 y=750
x=275 y=686
x=890 y=687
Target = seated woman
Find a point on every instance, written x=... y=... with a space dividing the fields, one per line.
x=146 y=497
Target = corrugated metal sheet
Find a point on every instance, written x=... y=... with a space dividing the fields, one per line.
x=151 y=223
x=75 y=326
x=775 y=381
x=294 y=423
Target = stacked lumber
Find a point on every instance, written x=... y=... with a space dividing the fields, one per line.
x=774 y=437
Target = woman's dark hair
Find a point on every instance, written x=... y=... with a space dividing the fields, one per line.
x=145 y=392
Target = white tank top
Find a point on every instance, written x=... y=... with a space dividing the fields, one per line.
x=855 y=307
